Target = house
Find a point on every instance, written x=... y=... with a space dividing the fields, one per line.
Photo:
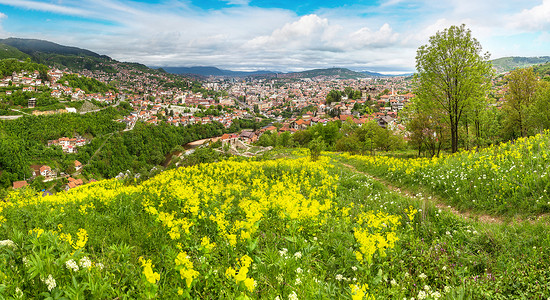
x=384 y=121
x=35 y=170
x=45 y=171
x=19 y=184
x=73 y=183
x=77 y=165
x=248 y=136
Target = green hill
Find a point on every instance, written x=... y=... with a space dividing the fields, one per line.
x=7 y=51
x=507 y=64
x=336 y=73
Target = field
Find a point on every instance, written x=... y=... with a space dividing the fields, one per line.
x=269 y=229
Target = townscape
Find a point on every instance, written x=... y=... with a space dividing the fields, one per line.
x=403 y=162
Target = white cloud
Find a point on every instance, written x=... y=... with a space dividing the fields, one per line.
x=535 y=18
x=365 y=37
x=41 y=6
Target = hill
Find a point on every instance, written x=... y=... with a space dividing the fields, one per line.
x=7 y=51
x=213 y=71
x=31 y=46
x=332 y=73
x=507 y=64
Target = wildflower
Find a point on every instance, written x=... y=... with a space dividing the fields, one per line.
x=293 y=296
x=422 y=276
x=85 y=262
x=50 y=282
x=180 y=292
x=82 y=239
x=299 y=270
x=100 y=266
x=393 y=282
x=339 y=277
x=444 y=268
x=298 y=281
x=422 y=295
x=447 y=289
x=71 y=264
x=150 y=275
x=436 y=295
x=283 y=252
x=354 y=268
x=18 y=292
x=250 y=284
x=25 y=261
x=8 y=243
x=298 y=255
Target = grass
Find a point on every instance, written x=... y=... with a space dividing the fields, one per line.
x=263 y=230
x=510 y=179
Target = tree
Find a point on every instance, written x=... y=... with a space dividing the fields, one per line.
x=334 y=96
x=452 y=74
x=522 y=85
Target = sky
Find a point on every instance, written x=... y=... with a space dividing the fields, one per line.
x=277 y=35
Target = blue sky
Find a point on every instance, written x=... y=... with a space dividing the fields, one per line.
x=277 y=35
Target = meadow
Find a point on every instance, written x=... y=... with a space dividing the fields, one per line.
x=289 y=228
x=511 y=179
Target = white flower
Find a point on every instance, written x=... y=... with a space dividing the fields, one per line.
x=8 y=243
x=314 y=238
x=100 y=266
x=393 y=282
x=26 y=261
x=339 y=277
x=447 y=289
x=283 y=252
x=277 y=298
x=71 y=264
x=436 y=295
x=426 y=287
x=444 y=268
x=422 y=295
x=354 y=268
x=280 y=278
x=18 y=292
x=85 y=262
x=298 y=281
x=293 y=296
x=447 y=233
x=298 y=254
x=299 y=270
x=50 y=282
x=422 y=276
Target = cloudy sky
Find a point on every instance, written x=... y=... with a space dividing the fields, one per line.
x=282 y=35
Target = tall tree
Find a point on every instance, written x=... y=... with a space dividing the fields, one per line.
x=452 y=74
x=522 y=85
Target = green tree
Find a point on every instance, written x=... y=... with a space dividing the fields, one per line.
x=334 y=96
x=522 y=85
x=538 y=114
x=452 y=73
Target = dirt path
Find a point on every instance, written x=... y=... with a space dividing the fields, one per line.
x=436 y=201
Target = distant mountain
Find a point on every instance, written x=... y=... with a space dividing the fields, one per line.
x=52 y=54
x=375 y=74
x=7 y=51
x=31 y=46
x=212 y=71
x=335 y=73
x=507 y=64
x=340 y=73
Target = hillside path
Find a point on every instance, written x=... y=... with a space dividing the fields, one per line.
x=436 y=201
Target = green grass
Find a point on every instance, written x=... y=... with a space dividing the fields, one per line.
x=437 y=254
